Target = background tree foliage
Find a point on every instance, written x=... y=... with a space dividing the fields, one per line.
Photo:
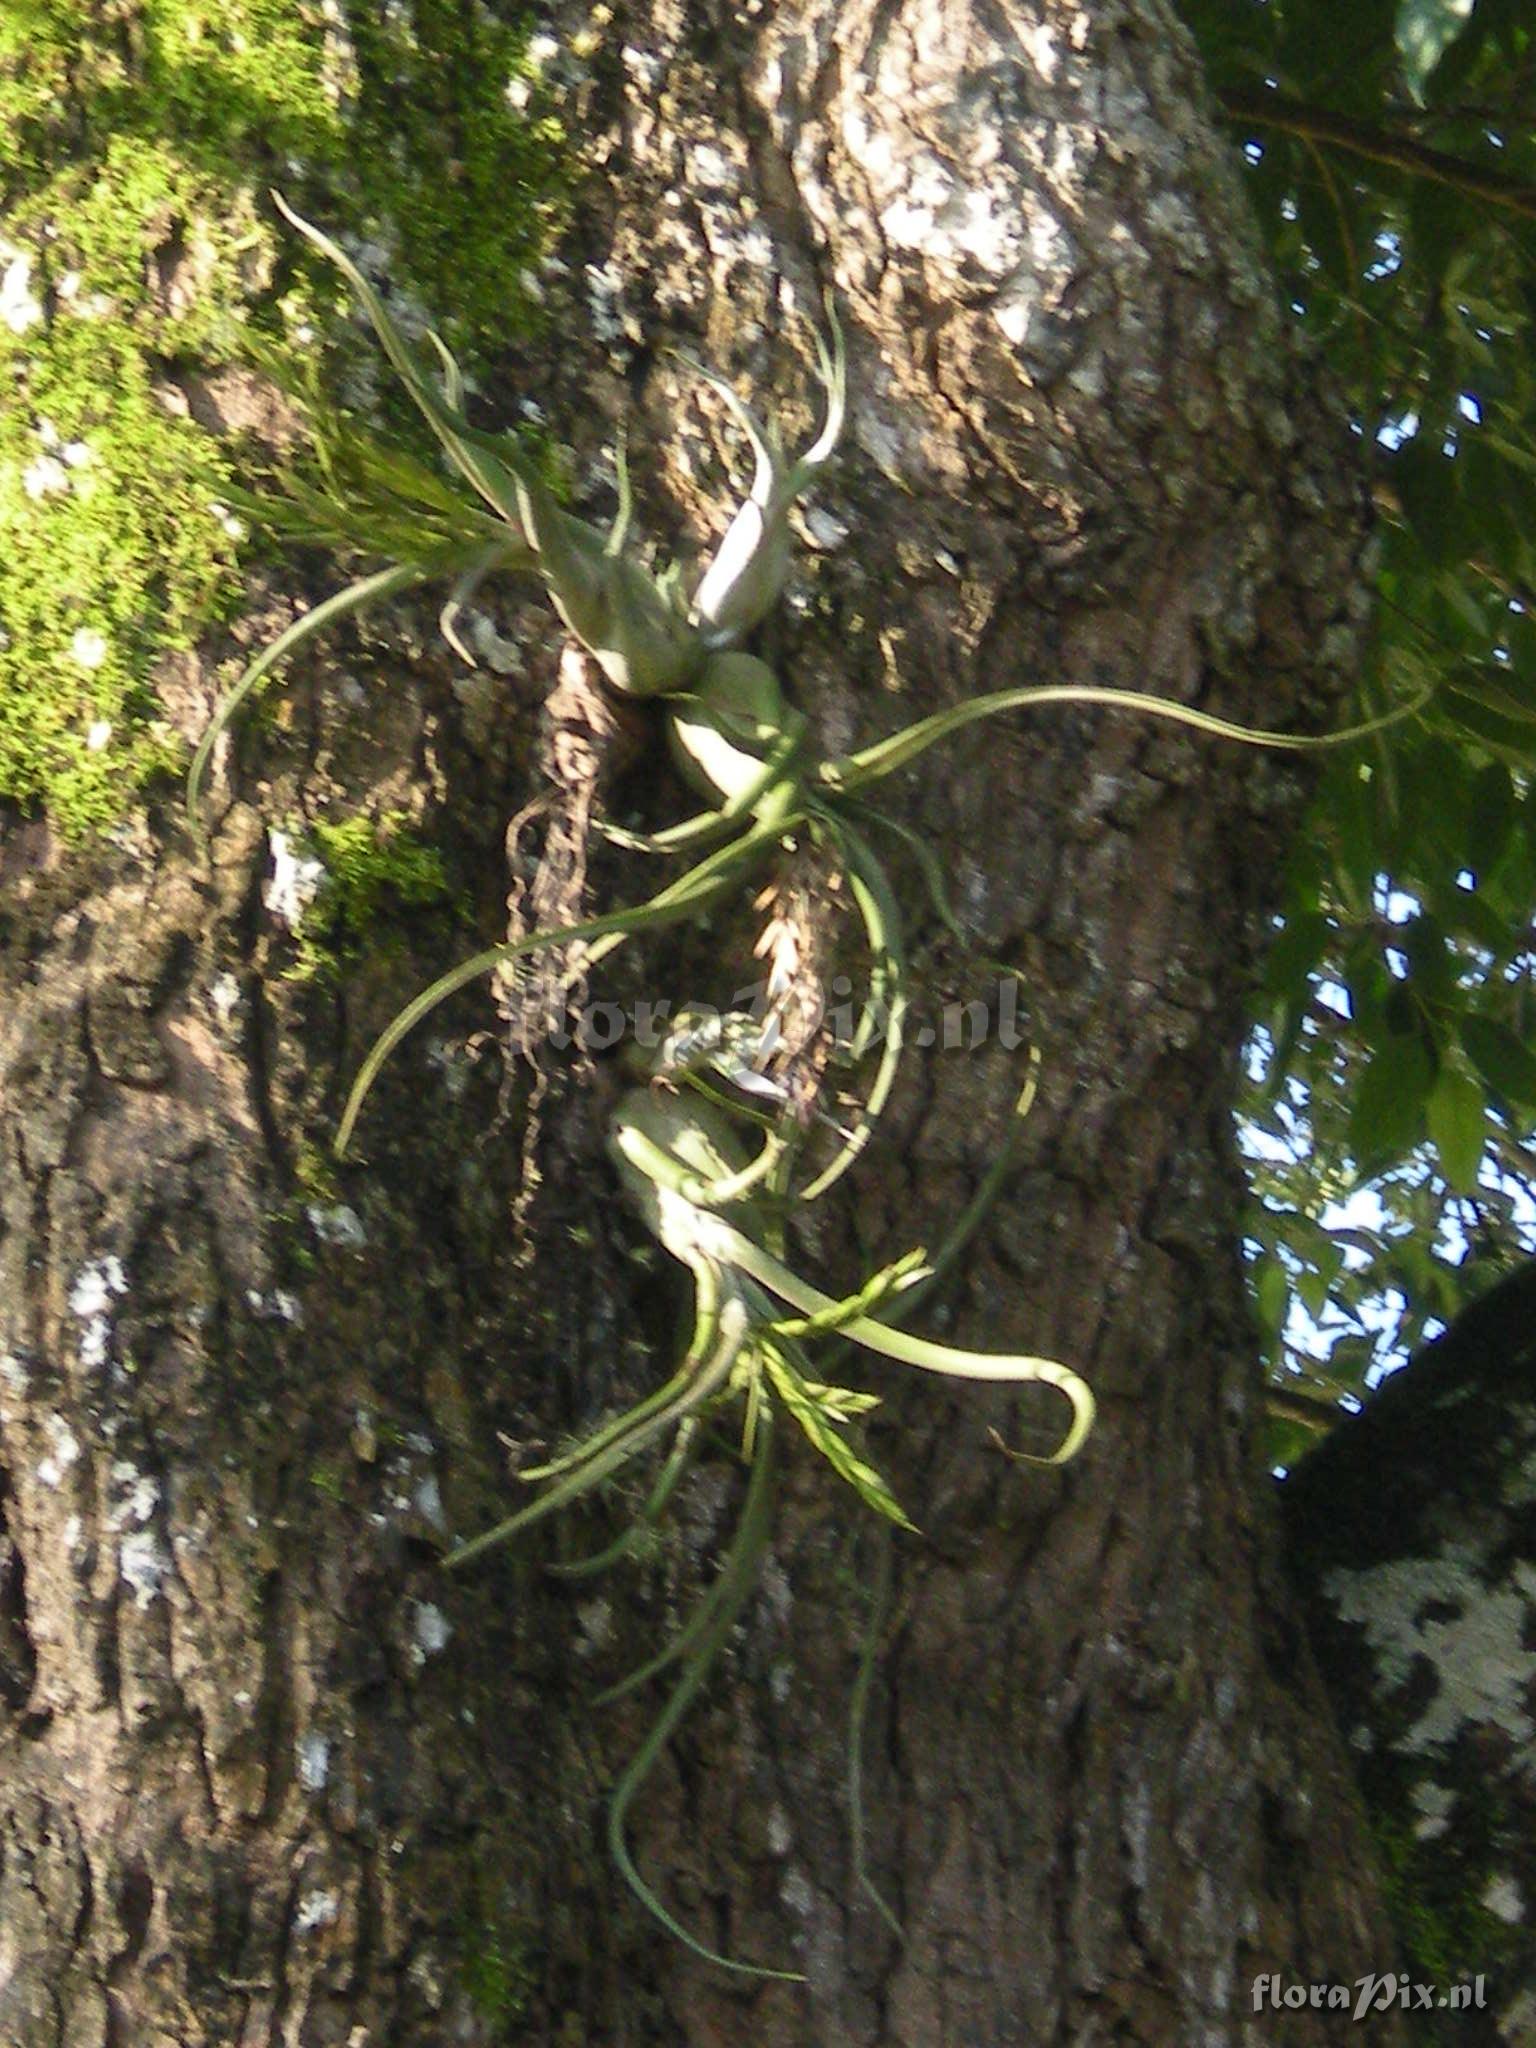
x=1392 y=1099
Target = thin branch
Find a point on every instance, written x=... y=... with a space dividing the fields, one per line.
x=1317 y=1412
x=1381 y=146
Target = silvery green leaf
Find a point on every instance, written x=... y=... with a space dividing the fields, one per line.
x=748 y=572
x=866 y=1482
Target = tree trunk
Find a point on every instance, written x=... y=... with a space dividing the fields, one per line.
x=269 y=1775
x=1410 y=1534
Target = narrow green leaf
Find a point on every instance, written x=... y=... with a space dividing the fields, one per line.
x=1356 y=840
x=384 y=583
x=866 y=1482
x=493 y=477
x=1295 y=951
x=1312 y=1286
x=1492 y=819
x=1316 y=1283
x=1426 y=483
x=1272 y=1289
x=870 y=1298
x=1368 y=982
x=1432 y=964
x=841 y=1402
x=1505 y=1062
x=1470 y=683
x=1457 y=1117
x=1388 y=1112
x=1508 y=738
x=1465 y=911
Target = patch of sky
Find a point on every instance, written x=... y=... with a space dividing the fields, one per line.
x=1389 y=259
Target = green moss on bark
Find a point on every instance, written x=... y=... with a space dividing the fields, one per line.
x=137 y=249
x=373 y=867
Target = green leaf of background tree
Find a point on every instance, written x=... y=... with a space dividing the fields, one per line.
x=1390 y=150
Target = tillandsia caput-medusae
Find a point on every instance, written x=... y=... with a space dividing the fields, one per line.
x=740 y=743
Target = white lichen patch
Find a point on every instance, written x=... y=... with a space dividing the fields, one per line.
x=20 y=307
x=90 y=1300
x=430 y=1631
x=605 y=303
x=776 y=1592
x=1434 y=1803
x=95 y=1285
x=1505 y=1900
x=988 y=216
x=643 y=66
x=1136 y=1830
x=44 y=477
x=339 y=1225
x=711 y=168
x=1038 y=41
x=293 y=883
x=278 y=1306
x=427 y=1500
x=314 y=1762
x=63 y=1451
x=754 y=245
x=1174 y=219
x=594 y=1618
x=1013 y=310
x=224 y=996
x=316 y=1909
x=912 y=218
x=502 y=656
x=135 y=1496
x=452 y=1066
x=89 y=647
x=1483 y=1671
x=824 y=528
x=142 y=1565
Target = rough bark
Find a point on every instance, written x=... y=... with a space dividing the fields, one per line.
x=1410 y=1532
x=268 y=1776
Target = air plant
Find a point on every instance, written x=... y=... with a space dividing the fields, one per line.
x=745 y=749
x=736 y=738
x=677 y=1157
